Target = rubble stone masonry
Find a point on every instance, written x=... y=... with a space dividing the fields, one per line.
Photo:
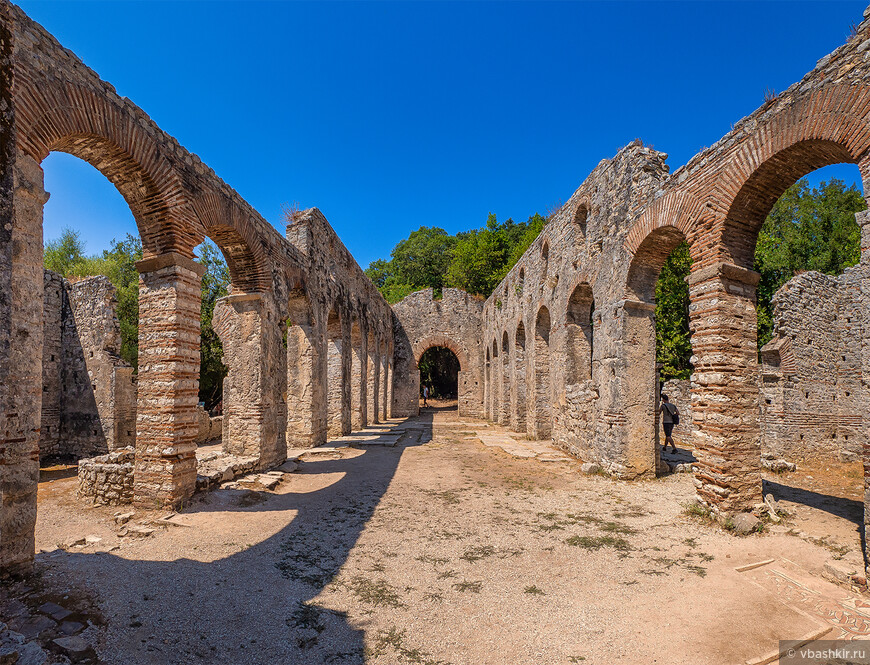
x=564 y=349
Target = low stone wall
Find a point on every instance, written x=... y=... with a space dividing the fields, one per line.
x=210 y=427
x=107 y=479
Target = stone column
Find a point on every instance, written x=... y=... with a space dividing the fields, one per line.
x=254 y=417
x=384 y=402
x=373 y=384
x=518 y=415
x=487 y=388
x=638 y=387
x=506 y=406
x=357 y=377
x=863 y=219
x=168 y=382
x=21 y=303
x=725 y=387
x=390 y=380
x=306 y=399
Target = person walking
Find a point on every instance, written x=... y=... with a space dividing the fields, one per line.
x=425 y=395
x=670 y=417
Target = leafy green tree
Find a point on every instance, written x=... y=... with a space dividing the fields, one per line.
x=673 y=343
x=215 y=283
x=422 y=259
x=808 y=229
x=65 y=254
x=483 y=257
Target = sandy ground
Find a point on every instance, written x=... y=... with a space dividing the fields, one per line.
x=441 y=549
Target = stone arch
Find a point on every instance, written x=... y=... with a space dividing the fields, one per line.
x=423 y=345
x=581 y=216
x=520 y=406
x=578 y=340
x=757 y=194
x=337 y=413
x=57 y=115
x=237 y=238
x=542 y=422
x=679 y=210
x=504 y=415
x=648 y=259
x=487 y=385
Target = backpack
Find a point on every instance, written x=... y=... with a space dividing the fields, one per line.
x=675 y=414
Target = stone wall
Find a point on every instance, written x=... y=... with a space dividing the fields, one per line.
x=107 y=479
x=453 y=321
x=88 y=391
x=811 y=389
x=567 y=355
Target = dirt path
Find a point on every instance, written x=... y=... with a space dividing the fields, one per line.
x=442 y=550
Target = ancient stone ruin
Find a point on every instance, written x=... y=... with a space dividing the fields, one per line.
x=564 y=349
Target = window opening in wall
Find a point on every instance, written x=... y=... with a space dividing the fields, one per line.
x=580 y=217
x=579 y=338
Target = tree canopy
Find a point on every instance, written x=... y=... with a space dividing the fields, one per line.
x=475 y=260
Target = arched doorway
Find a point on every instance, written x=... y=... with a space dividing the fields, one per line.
x=541 y=425
x=520 y=405
x=439 y=370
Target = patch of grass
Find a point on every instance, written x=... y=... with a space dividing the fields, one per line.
x=465 y=585
x=691 y=542
x=576 y=659
x=378 y=593
x=434 y=560
x=535 y=591
x=395 y=639
x=617 y=527
x=446 y=574
x=433 y=597
x=597 y=542
x=477 y=553
x=699 y=511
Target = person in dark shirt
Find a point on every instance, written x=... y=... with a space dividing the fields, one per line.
x=668 y=411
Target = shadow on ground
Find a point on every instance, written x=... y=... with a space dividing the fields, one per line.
x=254 y=606
x=848 y=509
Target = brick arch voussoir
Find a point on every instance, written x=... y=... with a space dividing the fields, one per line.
x=423 y=345
x=236 y=235
x=836 y=115
x=678 y=208
x=54 y=115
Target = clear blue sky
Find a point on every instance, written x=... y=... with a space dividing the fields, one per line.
x=389 y=116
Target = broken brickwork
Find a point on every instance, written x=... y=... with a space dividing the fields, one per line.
x=88 y=391
x=811 y=392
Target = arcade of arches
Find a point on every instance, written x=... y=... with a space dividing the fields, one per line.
x=564 y=349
